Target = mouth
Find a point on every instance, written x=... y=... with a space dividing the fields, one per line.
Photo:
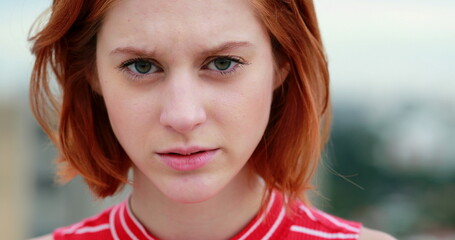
x=182 y=154
x=185 y=151
x=187 y=159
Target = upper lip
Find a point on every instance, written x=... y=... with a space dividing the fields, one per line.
x=185 y=150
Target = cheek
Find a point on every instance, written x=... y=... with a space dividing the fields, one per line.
x=121 y=115
x=253 y=106
x=127 y=113
x=256 y=96
x=246 y=109
x=130 y=123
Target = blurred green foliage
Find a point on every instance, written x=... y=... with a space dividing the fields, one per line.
x=359 y=183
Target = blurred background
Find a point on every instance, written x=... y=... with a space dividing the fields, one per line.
x=390 y=162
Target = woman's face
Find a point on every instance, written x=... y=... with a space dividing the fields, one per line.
x=188 y=88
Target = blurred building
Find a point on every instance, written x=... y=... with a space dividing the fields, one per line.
x=14 y=171
x=31 y=203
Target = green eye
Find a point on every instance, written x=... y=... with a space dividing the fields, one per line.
x=225 y=64
x=222 y=64
x=142 y=67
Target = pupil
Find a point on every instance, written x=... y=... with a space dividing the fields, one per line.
x=143 y=66
x=222 y=63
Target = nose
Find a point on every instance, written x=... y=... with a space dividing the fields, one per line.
x=183 y=107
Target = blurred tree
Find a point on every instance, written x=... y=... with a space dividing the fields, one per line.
x=361 y=182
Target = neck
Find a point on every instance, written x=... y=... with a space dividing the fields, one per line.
x=220 y=217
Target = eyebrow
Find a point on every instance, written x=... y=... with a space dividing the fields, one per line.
x=226 y=47
x=221 y=48
x=132 y=51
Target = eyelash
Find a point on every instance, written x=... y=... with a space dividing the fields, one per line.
x=123 y=67
x=239 y=62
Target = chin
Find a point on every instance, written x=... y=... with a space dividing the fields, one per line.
x=189 y=191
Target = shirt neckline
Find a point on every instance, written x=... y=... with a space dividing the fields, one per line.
x=124 y=225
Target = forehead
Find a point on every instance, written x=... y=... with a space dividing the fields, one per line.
x=180 y=22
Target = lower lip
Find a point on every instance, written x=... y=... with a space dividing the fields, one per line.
x=188 y=162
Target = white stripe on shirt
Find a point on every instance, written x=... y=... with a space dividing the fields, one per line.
x=338 y=223
x=72 y=229
x=92 y=229
x=135 y=221
x=123 y=222
x=321 y=234
x=112 y=223
x=275 y=225
x=307 y=212
x=259 y=221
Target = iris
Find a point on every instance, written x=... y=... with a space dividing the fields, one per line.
x=143 y=67
x=222 y=63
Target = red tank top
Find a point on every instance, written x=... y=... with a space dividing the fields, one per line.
x=118 y=223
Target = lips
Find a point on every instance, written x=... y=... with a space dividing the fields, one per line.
x=187 y=159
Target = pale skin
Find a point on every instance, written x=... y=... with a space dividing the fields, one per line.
x=186 y=102
x=183 y=98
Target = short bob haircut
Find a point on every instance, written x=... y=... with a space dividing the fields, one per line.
x=76 y=120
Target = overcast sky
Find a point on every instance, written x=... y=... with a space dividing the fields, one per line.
x=390 y=48
x=386 y=48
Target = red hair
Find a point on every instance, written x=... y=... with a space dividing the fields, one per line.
x=285 y=158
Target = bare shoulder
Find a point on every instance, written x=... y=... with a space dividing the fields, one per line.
x=370 y=234
x=46 y=237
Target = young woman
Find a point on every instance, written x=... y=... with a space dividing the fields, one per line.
x=218 y=107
